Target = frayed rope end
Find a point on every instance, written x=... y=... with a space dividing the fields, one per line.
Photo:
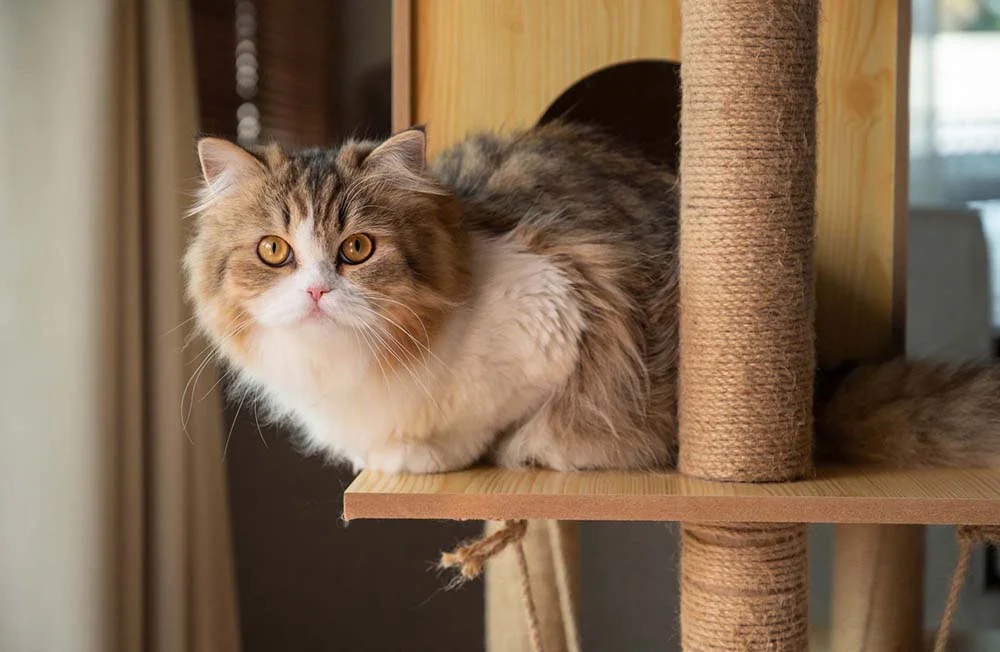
x=470 y=557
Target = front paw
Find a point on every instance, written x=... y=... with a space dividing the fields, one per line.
x=404 y=458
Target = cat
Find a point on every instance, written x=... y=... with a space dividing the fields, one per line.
x=513 y=302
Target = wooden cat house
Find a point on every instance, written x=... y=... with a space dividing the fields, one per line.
x=465 y=65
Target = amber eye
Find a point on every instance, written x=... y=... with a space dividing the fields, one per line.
x=356 y=249
x=274 y=251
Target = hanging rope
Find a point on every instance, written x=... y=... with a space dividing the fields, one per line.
x=470 y=558
x=530 y=610
x=968 y=536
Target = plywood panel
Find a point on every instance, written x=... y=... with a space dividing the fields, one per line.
x=402 y=62
x=835 y=495
x=878 y=588
x=861 y=192
x=862 y=155
x=490 y=64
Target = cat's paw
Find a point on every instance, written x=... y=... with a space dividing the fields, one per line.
x=404 y=458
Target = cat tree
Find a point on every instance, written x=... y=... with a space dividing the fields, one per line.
x=763 y=172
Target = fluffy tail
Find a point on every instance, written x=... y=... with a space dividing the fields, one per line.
x=911 y=414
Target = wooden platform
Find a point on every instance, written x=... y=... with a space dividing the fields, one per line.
x=835 y=495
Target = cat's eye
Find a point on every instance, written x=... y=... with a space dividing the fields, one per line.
x=356 y=249
x=274 y=251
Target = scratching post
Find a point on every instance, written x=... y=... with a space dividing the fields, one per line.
x=748 y=178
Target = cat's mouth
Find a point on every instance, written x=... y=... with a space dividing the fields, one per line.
x=316 y=313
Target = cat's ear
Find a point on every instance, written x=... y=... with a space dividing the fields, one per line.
x=402 y=154
x=224 y=164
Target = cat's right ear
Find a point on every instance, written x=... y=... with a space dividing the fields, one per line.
x=224 y=164
x=403 y=154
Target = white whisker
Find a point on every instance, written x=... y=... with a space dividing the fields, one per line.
x=420 y=344
x=382 y=297
x=186 y=417
x=177 y=326
x=210 y=352
x=257 y=421
x=374 y=354
x=239 y=407
x=409 y=369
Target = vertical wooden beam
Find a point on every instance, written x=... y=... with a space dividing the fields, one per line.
x=878 y=588
x=402 y=64
x=553 y=557
x=862 y=182
x=861 y=258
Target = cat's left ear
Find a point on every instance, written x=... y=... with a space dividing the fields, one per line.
x=404 y=153
x=224 y=164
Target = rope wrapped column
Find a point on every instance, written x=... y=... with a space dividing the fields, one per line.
x=748 y=176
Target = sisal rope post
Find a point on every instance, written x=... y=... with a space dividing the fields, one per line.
x=748 y=175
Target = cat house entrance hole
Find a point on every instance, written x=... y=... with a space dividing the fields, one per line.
x=637 y=102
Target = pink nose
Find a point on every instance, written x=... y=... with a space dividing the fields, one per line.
x=316 y=293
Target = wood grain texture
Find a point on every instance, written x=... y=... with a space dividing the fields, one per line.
x=551 y=549
x=402 y=62
x=861 y=285
x=861 y=184
x=878 y=589
x=835 y=495
x=498 y=65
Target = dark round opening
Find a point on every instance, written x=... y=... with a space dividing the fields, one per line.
x=638 y=102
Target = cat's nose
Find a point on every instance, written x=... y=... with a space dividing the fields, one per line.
x=316 y=292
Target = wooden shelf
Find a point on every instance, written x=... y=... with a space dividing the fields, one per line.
x=834 y=495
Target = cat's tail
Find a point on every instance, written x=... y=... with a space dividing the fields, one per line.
x=910 y=414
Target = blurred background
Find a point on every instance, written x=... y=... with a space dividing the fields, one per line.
x=118 y=532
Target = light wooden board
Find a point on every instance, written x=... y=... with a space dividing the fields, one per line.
x=402 y=61
x=835 y=495
x=861 y=284
x=500 y=64
x=861 y=182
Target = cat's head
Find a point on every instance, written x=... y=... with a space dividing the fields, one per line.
x=322 y=242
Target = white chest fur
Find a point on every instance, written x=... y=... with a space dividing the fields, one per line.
x=496 y=360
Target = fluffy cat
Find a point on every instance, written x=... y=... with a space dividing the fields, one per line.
x=514 y=302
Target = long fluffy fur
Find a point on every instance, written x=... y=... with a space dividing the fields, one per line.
x=912 y=414
x=528 y=311
x=607 y=219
